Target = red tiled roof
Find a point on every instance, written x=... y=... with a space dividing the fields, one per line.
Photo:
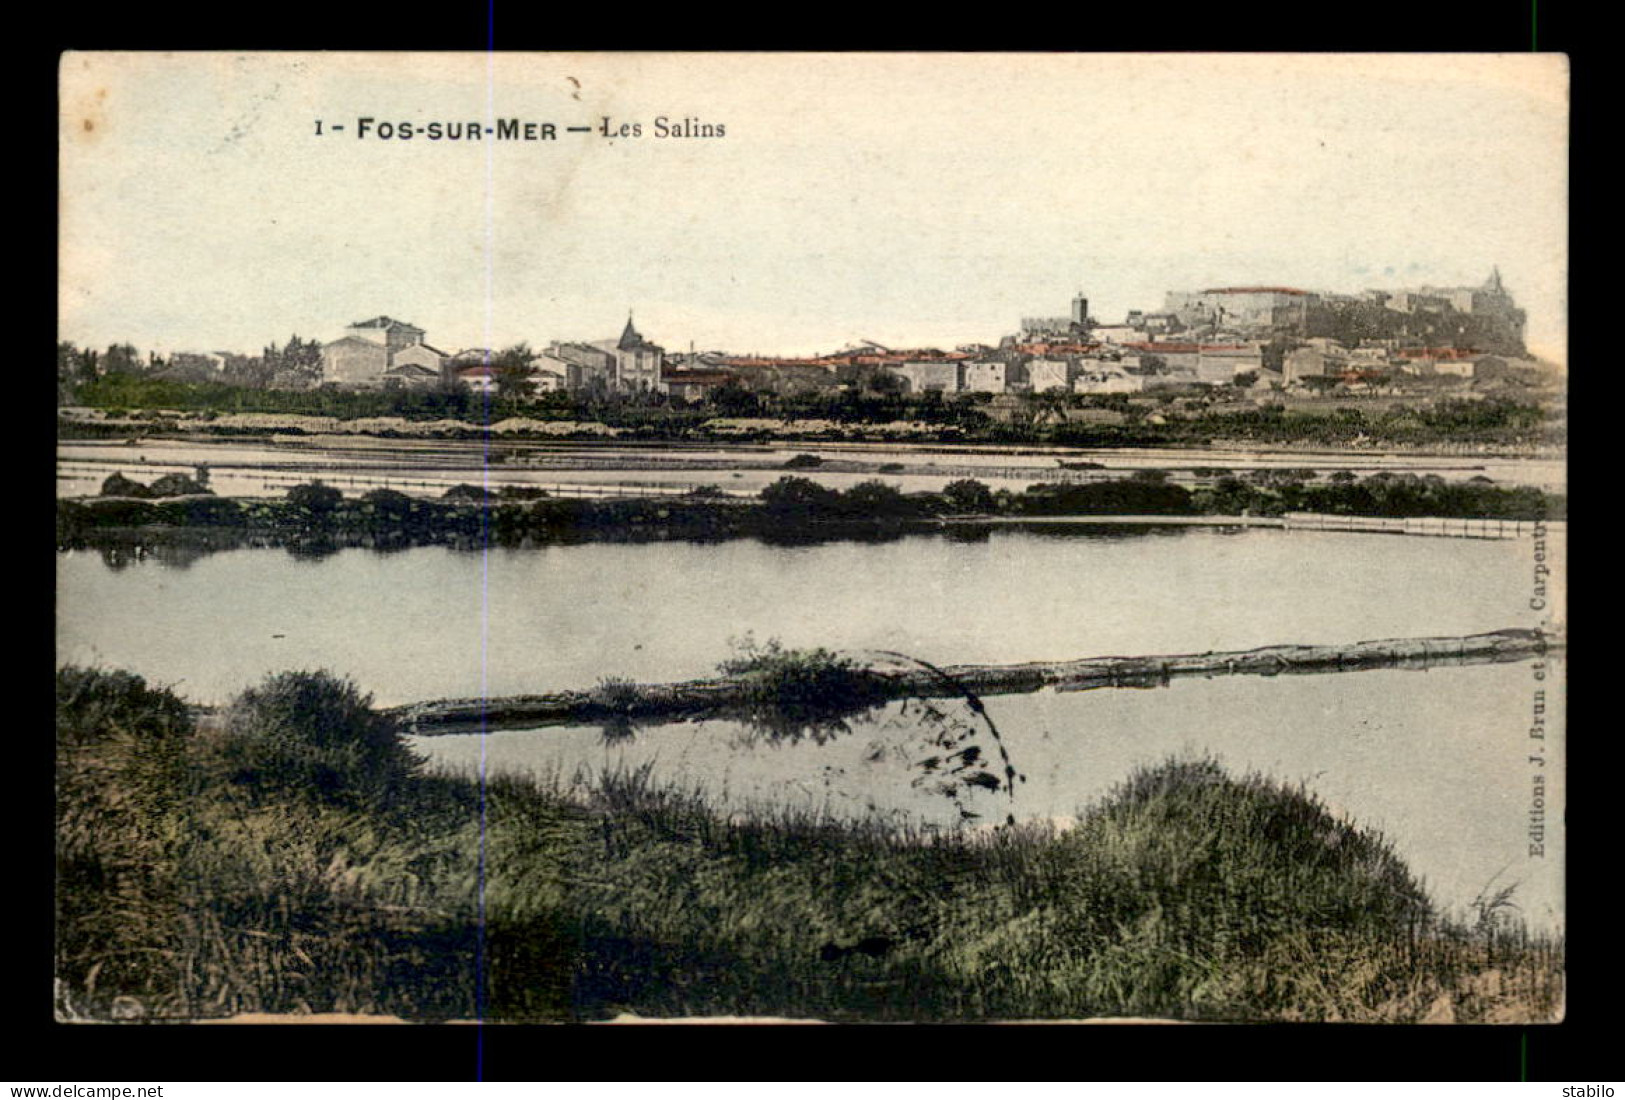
x=698 y=378
x=1185 y=349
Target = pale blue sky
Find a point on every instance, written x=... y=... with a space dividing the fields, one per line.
x=910 y=199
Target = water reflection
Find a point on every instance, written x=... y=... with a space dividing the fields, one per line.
x=559 y=617
x=119 y=557
x=618 y=729
x=122 y=554
x=312 y=547
x=942 y=741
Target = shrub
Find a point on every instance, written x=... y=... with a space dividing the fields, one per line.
x=315 y=733
x=387 y=508
x=474 y=493
x=1231 y=496
x=877 y=500
x=969 y=495
x=1278 y=479
x=615 y=693
x=802 y=462
x=387 y=500
x=558 y=513
x=96 y=710
x=799 y=498
x=123 y=783
x=117 y=485
x=792 y=692
x=1124 y=497
x=210 y=511
x=315 y=499
x=177 y=485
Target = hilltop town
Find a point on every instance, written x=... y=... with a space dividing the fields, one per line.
x=1205 y=352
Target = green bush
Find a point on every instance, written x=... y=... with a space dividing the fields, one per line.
x=799 y=498
x=969 y=495
x=877 y=500
x=315 y=733
x=123 y=787
x=791 y=693
x=98 y=712
x=1124 y=497
x=475 y=493
x=387 y=503
x=117 y=485
x=177 y=485
x=315 y=499
x=558 y=514
x=210 y=511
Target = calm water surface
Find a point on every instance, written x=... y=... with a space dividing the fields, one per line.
x=433 y=622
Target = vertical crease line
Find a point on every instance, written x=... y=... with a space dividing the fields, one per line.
x=481 y=960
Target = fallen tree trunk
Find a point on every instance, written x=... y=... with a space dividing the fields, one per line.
x=718 y=696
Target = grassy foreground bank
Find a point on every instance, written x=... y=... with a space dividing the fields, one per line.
x=290 y=855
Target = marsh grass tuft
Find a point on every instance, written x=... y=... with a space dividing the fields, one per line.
x=791 y=694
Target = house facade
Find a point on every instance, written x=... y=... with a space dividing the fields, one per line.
x=1220 y=365
x=586 y=366
x=1303 y=363
x=382 y=353
x=412 y=376
x=635 y=363
x=927 y=375
x=1048 y=374
x=987 y=376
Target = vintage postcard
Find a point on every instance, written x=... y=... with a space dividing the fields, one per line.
x=822 y=537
